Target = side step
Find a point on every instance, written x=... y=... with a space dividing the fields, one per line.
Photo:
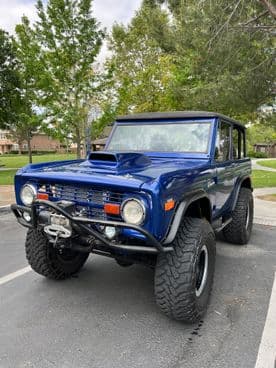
x=218 y=229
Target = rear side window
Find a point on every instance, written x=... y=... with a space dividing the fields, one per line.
x=222 y=152
x=238 y=146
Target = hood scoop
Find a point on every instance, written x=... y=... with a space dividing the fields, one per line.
x=120 y=161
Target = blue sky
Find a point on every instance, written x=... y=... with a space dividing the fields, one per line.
x=106 y=11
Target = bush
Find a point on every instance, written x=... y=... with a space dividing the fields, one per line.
x=257 y=154
x=43 y=152
x=25 y=153
x=14 y=153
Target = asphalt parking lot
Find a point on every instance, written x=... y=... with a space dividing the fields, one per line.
x=106 y=316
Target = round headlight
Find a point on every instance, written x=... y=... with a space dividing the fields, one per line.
x=28 y=194
x=133 y=211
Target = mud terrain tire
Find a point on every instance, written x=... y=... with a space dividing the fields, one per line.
x=50 y=262
x=184 y=277
x=239 y=229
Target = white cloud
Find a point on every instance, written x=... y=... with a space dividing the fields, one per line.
x=109 y=11
x=106 y=11
x=11 y=12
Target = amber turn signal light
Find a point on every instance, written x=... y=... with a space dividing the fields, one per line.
x=44 y=196
x=112 y=209
x=169 y=205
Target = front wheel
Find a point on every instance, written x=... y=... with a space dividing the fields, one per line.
x=184 y=276
x=51 y=262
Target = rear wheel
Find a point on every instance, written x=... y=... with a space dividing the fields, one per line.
x=184 y=277
x=51 y=262
x=239 y=229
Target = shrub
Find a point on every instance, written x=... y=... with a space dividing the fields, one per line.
x=257 y=154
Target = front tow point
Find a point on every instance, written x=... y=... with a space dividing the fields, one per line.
x=60 y=231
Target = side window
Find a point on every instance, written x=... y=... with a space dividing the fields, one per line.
x=243 y=148
x=222 y=152
x=238 y=145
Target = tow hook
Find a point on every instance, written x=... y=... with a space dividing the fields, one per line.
x=58 y=231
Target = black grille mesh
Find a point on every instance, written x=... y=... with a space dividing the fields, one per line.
x=90 y=201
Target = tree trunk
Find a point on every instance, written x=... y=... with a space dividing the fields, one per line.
x=78 y=141
x=19 y=149
x=30 y=149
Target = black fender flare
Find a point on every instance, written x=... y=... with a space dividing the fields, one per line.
x=182 y=207
x=238 y=188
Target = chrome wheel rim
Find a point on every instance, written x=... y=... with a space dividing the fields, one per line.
x=201 y=271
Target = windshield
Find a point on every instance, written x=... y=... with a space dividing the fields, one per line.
x=158 y=137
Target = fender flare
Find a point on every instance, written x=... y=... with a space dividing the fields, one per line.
x=180 y=212
x=238 y=188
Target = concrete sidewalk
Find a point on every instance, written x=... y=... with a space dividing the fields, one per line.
x=265 y=211
x=6 y=195
x=256 y=166
x=8 y=168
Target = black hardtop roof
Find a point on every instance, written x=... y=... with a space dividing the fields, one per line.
x=175 y=115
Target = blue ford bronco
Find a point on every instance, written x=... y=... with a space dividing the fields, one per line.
x=157 y=194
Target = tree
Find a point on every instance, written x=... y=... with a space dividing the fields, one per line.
x=9 y=81
x=16 y=113
x=213 y=62
x=220 y=66
x=260 y=133
x=142 y=70
x=28 y=120
x=64 y=44
x=270 y=7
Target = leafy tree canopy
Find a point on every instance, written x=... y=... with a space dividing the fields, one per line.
x=189 y=55
x=60 y=50
x=142 y=62
x=9 y=81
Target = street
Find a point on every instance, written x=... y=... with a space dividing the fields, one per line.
x=106 y=316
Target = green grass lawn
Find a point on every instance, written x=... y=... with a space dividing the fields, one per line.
x=6 y=177
x=263 y=179
x=268 y=163
x=17 y=161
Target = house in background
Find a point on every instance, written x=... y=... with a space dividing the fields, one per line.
x=99 y=144
x=268 y=148
x=6 y=143
x=40 y=142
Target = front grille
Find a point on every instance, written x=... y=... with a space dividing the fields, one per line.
x=86 y=195
x=89 y=201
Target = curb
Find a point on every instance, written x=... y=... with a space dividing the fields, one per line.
x=5 y=209
x=264 y=221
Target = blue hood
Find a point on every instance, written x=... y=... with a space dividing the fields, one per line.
x=124 y=169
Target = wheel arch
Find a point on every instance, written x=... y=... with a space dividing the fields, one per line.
x=244 y=182
x=196 y=204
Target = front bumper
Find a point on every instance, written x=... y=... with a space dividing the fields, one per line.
x=80 y=224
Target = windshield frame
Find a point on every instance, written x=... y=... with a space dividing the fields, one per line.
x=180 y=121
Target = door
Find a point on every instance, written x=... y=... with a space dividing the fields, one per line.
x=225 y=168
x=239 y=160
